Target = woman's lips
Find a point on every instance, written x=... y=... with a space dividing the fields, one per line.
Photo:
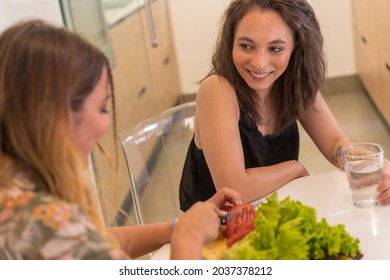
x=259 y=76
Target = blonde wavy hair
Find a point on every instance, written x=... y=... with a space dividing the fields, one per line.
x=47 y=72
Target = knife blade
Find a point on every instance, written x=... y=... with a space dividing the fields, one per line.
x=230 y=214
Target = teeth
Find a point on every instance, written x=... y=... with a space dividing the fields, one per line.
x=259 y=76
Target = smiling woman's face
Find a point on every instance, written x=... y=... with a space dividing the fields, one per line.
x=92 y=121
x=262 y=47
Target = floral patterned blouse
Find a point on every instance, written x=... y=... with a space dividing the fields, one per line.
x=36 y=225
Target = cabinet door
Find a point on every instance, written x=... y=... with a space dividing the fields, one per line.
x=385 y=82
x=383 y=12
x=368 y=65
x=371 y=25
x=135 y=102
x=131 y=73
x=367 y=48
x=162 y=58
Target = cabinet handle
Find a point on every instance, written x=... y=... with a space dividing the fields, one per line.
x=152 y=29
x=388 y=67
x=142 y=92
x=166 y=60
x=364 y=40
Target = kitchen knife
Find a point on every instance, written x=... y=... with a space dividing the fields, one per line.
x=230 y=214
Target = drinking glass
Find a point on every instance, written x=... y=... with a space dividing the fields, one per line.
x=363 y=165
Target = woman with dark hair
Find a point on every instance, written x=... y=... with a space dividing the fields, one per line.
x=55 y=88
x=268 y=68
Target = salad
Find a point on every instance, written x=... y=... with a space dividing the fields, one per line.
x=288 y=229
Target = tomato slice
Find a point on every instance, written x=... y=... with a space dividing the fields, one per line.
x=240 y=224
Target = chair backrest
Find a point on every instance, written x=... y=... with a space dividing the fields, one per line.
x=154 y=152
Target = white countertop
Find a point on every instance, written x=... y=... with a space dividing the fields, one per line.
x=330 y=195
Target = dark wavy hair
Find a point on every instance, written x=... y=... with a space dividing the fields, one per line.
x=295 y=90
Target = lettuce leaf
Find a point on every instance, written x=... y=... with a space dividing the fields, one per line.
x=288 y=229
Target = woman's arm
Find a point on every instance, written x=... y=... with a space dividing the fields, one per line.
x=217 y=134
x=140 y=240
x=322 y=127
x=196 y=226
x=330 y=139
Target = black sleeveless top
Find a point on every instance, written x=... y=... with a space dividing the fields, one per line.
x=196 y=183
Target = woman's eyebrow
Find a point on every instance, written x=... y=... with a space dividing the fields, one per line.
x=244 y=39
x=276 y=41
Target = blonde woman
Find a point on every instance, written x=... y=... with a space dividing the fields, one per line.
x=55 y=90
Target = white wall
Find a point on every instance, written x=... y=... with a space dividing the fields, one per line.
x=195 y=26
x=335 y=17
x=12 y=11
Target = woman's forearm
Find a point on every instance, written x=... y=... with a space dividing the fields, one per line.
x=140 y=240
x=186 y=246
x=335 y=154
x=260 y=181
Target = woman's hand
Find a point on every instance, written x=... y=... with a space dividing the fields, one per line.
x=200 y=224
x=201 y=221
x=225 y=196
x=384 y=186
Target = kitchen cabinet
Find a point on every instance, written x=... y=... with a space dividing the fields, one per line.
x=162 y=58
x=146 y=82
x=371 y=24
x=384 y=54
x=132 y=79
x=135 y=101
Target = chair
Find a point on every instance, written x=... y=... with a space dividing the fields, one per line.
x=154 y=152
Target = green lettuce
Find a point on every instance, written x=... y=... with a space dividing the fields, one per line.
x=287 y=230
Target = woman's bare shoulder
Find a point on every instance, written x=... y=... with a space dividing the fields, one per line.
x=216 y=97
x=216 y=80
x=216 y=87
